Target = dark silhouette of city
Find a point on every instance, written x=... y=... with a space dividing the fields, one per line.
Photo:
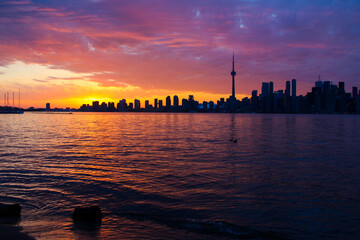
x=325 y=97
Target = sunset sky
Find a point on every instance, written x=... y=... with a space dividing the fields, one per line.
x=72 y=52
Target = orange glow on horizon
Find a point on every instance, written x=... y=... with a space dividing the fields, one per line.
x=39 y=86
x=77 y=102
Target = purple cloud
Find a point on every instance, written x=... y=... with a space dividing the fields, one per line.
x=187 y=45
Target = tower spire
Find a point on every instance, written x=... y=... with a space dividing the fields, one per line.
x=233 y=73
x=233 y=61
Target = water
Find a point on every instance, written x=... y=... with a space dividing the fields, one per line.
x=177 y=176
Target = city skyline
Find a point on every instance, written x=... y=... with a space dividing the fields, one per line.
x=68 y=54
x=325 y=97
x=136 y=103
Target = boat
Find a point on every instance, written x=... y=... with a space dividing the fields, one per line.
x=7 y=108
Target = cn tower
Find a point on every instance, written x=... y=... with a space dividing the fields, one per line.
x=233 y=73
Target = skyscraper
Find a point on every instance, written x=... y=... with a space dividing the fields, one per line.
x=205 y=105
x=95 y=106
x=293 y=95
x=293 y=83
x=155 y=103
x=270 y=102
x=211 y=105
x=176 y=101
x=233 y=73
x=254 y=93
x=137 y=104
x=265 y=89
x=354 y=92
x=287 y=89
x=271 y=88
x=342 y=85
x=168 y=102
x=122 y=105
x=319 y=84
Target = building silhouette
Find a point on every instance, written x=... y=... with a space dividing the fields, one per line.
x=293 y=95
x=155 y=103
x=168 y=102
x=137 y=104
x=233 y=73
x=176 y=101
x=324 y=97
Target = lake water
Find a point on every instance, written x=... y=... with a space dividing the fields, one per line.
x=177 y=175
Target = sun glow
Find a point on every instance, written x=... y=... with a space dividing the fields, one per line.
x=40 y=84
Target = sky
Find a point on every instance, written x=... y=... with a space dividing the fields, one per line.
x=73 y=52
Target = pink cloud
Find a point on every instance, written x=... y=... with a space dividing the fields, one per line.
x=186 y=46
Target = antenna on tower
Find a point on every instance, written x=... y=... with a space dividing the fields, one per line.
x=233 y=59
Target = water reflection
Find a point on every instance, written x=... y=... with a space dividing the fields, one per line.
x=86 y=230
x=285 y=173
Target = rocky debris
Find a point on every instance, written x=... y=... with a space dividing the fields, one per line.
x=10 y=210
x=89 y=214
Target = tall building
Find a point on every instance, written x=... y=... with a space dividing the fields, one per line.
x=319 y=84
x=341 y=85
x=168 y=102
x=341 y=98
x=211 y=105
x=254 y=93
x=147 y=106
x=265 y=89
x=95 y=105
x=121 y=106
x=205 y=105
x=48 y=107
x=271 y=88
x=293 y=95
x=287 y=89
x=233 y=73
x=354 y=92
x=137 y=104
x=270 y=102
x=293 y=92
x=176 y=101
x=111 y=106
x=103 y=107
x=160 y=103
x=155 y=103
x=264 y=97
